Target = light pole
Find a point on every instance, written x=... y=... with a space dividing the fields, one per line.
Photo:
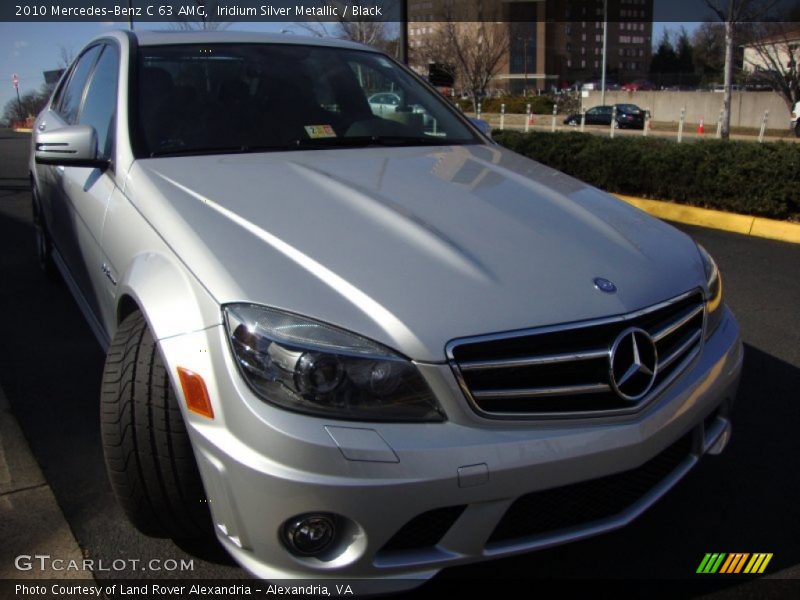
x=605 y=47
x=525 y=41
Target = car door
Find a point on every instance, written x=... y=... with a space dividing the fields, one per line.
x=85 y=191
x=62 y=111
x=593 y=116
x=604 y=115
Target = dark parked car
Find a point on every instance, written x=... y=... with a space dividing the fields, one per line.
x=628 y=116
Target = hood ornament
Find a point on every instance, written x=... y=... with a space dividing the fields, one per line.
x=604 y=285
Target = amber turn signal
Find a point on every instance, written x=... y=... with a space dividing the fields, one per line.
x=195 y=393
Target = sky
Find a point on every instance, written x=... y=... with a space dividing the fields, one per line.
x=28 y=49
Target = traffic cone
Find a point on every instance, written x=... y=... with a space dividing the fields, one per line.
x=701 y=129
x=531 y=119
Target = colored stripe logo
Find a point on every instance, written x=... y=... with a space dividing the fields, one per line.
x=736 y=562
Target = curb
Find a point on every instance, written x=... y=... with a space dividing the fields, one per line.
x=717 y=219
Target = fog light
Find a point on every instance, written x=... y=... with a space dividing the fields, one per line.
x=309 y=535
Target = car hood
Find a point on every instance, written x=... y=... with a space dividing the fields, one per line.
x=411 y=247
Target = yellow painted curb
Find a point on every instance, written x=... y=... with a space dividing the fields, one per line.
x=23 y=130
x=717 y=219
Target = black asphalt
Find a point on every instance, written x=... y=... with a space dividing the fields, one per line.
x=746 y=500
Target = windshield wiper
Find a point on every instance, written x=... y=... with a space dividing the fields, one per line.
x=362 y=141
x=220 y=150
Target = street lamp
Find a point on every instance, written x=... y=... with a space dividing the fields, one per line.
x=525 y=41
x=605 y=47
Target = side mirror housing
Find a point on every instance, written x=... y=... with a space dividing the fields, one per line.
x=482 y=126
x=72 y=146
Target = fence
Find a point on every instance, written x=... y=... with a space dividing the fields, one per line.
x=747 y=108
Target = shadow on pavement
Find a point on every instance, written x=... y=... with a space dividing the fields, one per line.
x=50 y=368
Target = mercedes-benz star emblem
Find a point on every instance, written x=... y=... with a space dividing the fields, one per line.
x=604 y=285
x=633 y=364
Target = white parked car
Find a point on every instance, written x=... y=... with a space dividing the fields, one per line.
x=347 y=345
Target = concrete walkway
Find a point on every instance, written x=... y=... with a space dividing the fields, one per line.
x=31 y=522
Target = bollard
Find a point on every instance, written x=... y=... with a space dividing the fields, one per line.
x=555 y=112
x=763 y=127
x=583 y=120
x=719 y=123
x=527 y=118
x=502 y=117
x=613 y=120
x=478 y=113
x=646 y=124
x=680 y=125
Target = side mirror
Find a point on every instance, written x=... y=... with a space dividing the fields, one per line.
x=482 y=126
x=72 y=146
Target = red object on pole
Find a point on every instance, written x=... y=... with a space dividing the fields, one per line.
x=15 y=81
x=701 y=129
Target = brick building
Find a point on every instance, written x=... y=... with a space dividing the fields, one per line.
x=550 y=42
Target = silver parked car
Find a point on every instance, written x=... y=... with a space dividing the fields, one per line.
x=356 y=345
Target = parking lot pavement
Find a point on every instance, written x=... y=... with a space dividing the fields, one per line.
x=744 y=500
x=31 y=523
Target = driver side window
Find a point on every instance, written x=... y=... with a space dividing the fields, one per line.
x=69 y=103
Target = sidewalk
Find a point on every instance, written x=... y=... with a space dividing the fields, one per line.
x=516 y=122
x=31 y=521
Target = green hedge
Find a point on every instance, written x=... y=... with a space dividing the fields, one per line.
x=743 y=177
x=540 y=105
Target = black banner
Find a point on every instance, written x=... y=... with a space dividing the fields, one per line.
x=216 y=11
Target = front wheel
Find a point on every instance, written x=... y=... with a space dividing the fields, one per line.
x=148 y=455
x=797 y=128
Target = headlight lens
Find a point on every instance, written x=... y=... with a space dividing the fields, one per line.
x=714 y=292
x=308 y=366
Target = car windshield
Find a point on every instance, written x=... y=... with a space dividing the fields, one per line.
x=221 y=98
x=629 y=108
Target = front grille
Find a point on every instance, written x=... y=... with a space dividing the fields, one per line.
x=424 y=530
x=580 y=504
x=563 y=371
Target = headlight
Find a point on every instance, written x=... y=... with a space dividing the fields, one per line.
x=307 y=366
x=713 y=293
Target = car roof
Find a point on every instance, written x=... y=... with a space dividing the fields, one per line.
x=167 y=37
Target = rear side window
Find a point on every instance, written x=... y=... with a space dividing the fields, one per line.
x=70 y=101
x=101 y=101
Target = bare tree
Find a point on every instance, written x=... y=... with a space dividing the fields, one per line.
x=773 y=51
x=470 y=43
x=364 y=30
x=201 y=20
x=65 y=56
x=732 y=13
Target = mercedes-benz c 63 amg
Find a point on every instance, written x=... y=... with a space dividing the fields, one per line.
x=351 y=344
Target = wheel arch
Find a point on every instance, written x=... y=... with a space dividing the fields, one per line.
x=169 y=297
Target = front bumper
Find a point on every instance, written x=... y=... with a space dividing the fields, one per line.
x=452 y=481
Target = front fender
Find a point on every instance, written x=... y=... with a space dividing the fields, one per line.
x=169 y=297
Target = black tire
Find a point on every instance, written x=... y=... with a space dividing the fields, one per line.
x=44 y=243
x=797 y=128
x=148 y=455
